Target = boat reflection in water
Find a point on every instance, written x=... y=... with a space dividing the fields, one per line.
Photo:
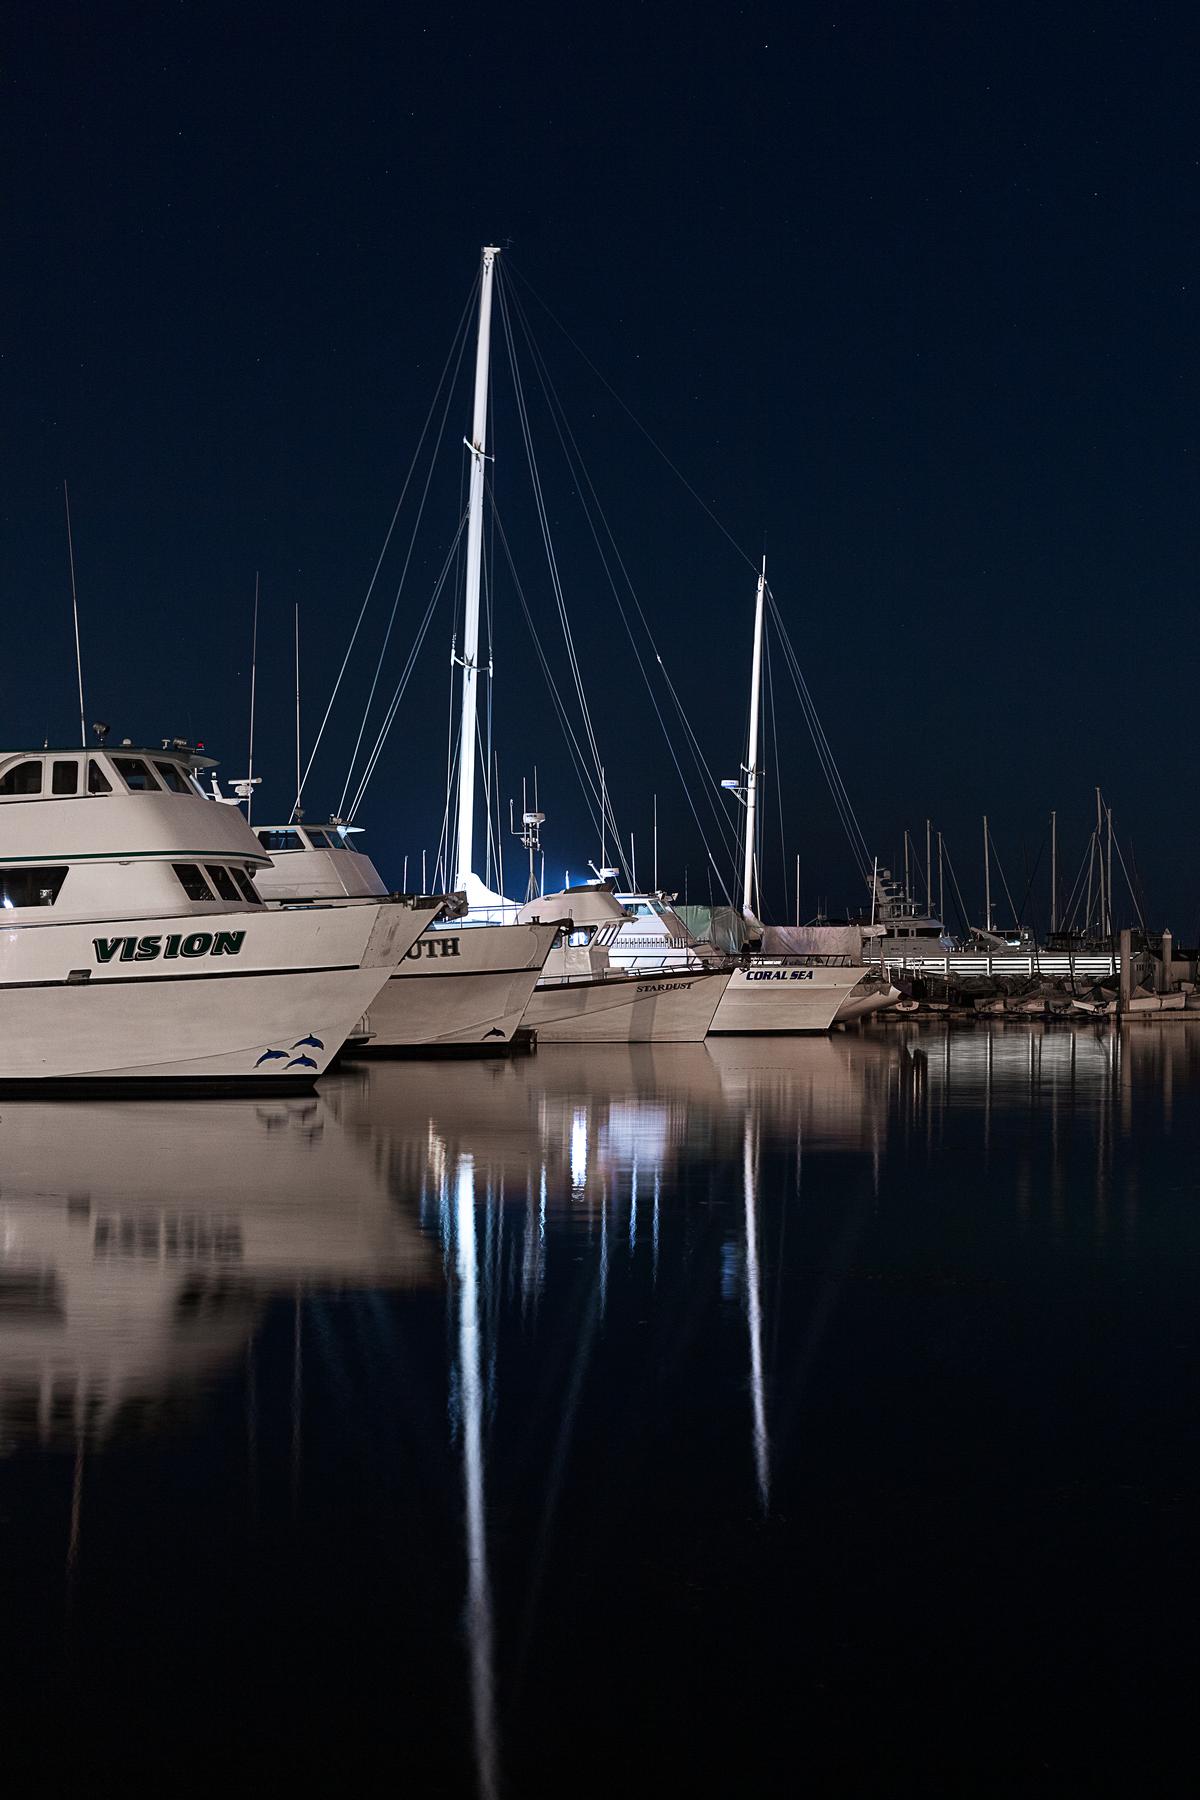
x=567 y=1124
x=140 y=1242
x=673 y=1340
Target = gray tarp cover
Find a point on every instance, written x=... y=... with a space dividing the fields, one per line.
x=814 y=940
x=721 y=926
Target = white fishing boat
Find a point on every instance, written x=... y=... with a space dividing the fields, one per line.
x=461 y=986
x=135 y=948
x=584 y=999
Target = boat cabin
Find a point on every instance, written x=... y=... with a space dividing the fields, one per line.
x=119 y=830
x=316 y=862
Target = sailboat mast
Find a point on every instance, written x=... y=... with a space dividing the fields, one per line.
x=470 y=655
x=299 y=777
x=987 y=879
x=253 y=683
x=752 y=748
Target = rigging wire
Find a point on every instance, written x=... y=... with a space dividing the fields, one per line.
x=1076 y=894
x=406 y=673
x=443 y=849
x=631 y=415
x=825 y=756
x=412 y=544
x=581 y=475
x=584 y=486
x=1000 y=870
x=777 y=765
x=460 y=328
x=543 y=518
x=963 y=914
x=1129 y=884
x=590 y=786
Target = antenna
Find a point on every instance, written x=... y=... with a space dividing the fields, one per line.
x=530 y=834
x=603 y=818
x=253 y=675
x=75 y=615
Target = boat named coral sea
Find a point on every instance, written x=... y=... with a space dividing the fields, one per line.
x=769 y=995
x=460 y=987
x=136 y=950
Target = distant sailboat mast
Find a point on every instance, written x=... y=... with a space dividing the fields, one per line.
x=470 y=655
x=752 y=749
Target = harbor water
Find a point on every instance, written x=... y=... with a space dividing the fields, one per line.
x=736 y=1418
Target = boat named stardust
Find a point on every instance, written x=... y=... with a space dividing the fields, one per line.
x=135 y=948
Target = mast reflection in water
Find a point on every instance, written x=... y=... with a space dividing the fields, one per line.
x=612 y=1421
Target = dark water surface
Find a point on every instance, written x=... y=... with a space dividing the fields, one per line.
x=744 y=1418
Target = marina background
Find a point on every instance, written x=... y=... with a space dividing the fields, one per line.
x=909 y=293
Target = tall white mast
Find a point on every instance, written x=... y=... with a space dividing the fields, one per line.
x=752 y=749
x=987 y=879
x=470 y=655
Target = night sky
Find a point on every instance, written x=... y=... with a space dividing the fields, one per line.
x=908 y=294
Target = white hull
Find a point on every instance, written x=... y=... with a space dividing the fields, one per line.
x=461 y=987
x=273 y=1011
x=782 y=998
x=625 y=1009
x=871 y=996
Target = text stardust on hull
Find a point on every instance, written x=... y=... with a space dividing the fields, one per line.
x=135 y=950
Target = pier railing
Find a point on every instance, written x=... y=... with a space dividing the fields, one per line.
x=1089 y=967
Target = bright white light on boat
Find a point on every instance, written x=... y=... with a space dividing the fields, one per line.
x=8 y=903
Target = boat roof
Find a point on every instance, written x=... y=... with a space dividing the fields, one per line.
x=182 y=753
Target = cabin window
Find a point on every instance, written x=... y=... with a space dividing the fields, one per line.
x=244 y=881
x=98 y=782
x=135 y=774
x=192 y=881
x=22 y=778
x=222 y=881
x=30 y=887
x=173 y=777
x=274 y=841
x=64 y=777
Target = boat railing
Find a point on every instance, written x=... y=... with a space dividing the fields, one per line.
x=797 y=959
x=648 y=941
